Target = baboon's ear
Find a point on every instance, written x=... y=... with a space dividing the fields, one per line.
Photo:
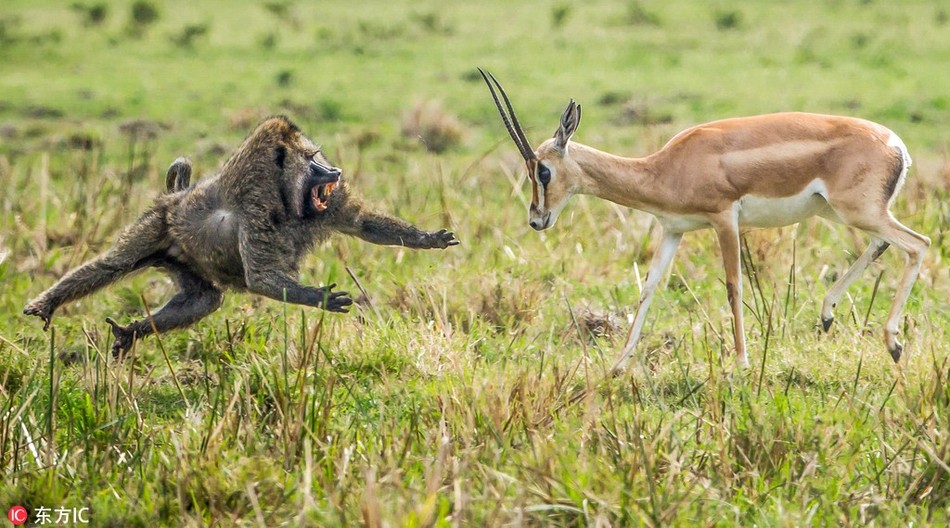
x=280 y=156
x=569 y=121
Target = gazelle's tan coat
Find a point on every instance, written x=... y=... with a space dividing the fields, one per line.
x=762 y=171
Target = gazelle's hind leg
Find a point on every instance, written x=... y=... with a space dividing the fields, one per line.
x=874 y=250
x=915 y=245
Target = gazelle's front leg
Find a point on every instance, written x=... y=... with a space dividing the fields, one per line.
x=727 y=229
x=661 y=261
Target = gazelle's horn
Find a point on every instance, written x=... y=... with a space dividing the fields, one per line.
x=512 y=124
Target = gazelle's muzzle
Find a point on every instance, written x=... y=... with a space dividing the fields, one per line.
x=538 y=220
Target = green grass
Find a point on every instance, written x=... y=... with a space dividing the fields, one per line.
x=450 y=397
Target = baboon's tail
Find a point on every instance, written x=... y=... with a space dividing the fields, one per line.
x=178 y=177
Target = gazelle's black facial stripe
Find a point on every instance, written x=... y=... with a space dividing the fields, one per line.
x=543 y=178
x=532 y=167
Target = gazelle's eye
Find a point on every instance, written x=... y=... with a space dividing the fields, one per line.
x=544 y=174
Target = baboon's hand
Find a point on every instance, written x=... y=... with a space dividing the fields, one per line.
x=124 y=338
x=440 y=239
x=41 y=309
x=334 y=301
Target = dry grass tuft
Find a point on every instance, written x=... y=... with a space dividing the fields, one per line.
x=600 y=323
x=430 y=123
x=243 y=119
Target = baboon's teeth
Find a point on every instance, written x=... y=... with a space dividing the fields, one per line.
x=319 y=202
x=320 y=195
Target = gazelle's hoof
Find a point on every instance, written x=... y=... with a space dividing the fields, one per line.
x=896 y=351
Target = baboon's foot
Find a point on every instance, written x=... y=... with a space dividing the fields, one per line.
x=124 y=339
x=41 y=309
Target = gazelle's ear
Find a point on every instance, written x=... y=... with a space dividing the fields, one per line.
x=569 y=121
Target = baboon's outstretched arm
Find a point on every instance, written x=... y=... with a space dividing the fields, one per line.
x=267 y=272
x=391 y=231
x=137 y=247
x=282 y=287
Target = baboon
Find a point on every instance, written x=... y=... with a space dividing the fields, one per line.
x=244 y=228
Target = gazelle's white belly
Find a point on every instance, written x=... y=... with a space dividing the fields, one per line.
x=761 y=211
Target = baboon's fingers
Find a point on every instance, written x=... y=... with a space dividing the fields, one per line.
x=340 y=297
x=337 y=302
x=443 y=239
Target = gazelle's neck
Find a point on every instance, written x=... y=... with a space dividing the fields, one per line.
x=624 y=181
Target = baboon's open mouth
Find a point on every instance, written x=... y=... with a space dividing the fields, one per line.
x=320 y=194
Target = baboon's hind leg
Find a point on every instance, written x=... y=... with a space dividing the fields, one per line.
x=195 y=299
x=137 y=247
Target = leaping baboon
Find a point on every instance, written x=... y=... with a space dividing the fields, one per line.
x=244 y=228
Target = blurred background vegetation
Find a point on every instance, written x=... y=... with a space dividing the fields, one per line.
x=443 y=400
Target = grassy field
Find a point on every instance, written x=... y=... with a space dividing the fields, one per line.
x=444 y=398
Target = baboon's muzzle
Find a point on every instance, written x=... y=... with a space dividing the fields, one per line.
x=323 y=179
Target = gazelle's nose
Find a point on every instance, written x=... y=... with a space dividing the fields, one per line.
x=538 y=222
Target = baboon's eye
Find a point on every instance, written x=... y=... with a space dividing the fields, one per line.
x=544 y=174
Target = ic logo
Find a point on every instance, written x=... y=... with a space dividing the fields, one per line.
x=17 y=515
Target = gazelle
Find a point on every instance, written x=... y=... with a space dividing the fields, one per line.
x=762 y=171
